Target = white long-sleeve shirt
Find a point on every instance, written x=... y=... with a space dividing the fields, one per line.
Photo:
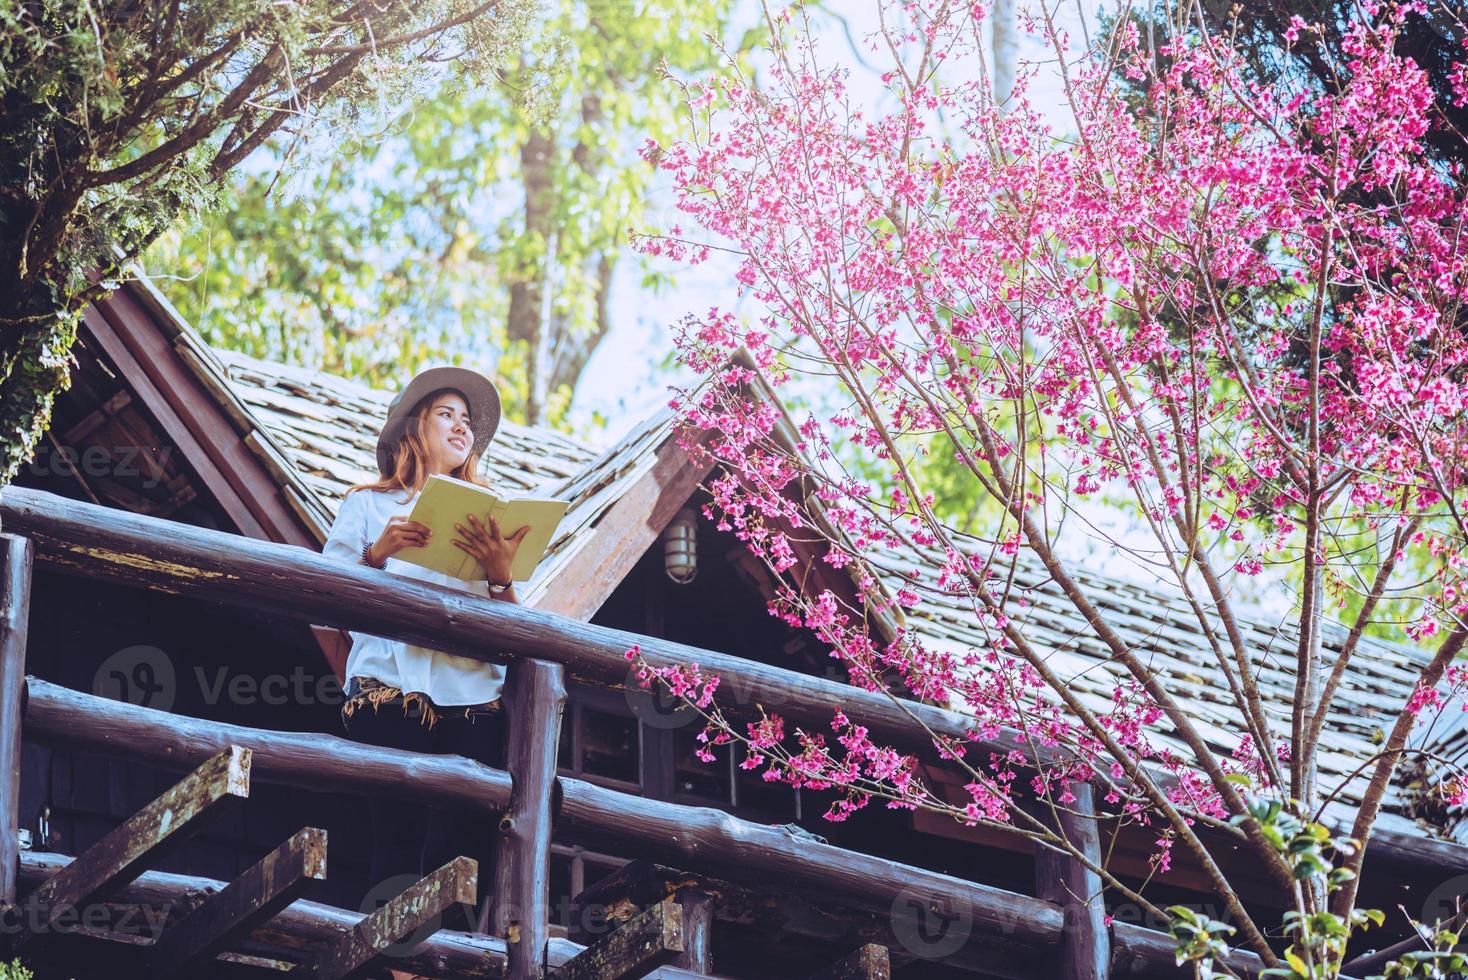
x=446 y=679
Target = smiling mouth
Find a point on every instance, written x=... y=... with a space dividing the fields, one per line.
x=458 y=443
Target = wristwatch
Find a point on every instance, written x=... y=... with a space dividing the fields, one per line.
x=495 y=588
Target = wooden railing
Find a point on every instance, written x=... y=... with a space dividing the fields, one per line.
x=523 y=806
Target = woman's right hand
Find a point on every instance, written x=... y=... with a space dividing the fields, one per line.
x=400 y=533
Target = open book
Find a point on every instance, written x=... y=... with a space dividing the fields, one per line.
x=446 y=501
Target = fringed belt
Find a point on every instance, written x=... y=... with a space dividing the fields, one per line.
x=362 y=691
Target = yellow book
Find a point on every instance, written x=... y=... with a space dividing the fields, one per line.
x=446 y=501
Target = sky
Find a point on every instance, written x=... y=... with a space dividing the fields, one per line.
x=622 y=383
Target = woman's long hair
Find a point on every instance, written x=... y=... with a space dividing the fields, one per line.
x=410 y=458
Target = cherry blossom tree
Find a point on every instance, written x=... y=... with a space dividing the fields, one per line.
x=1233 y=310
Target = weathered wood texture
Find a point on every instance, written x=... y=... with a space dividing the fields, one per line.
x=697 y=838
x=456 y=883
x=299 y=932
x=698 y=931
x=254 y=897
x=710 y=841
x=650 y=939
x=1085 y=945
x=535 y=700
x=15 y=603
x=868 y=963
x=322 y=763
x=120 y=856
x=639 y=885
x=128 y=549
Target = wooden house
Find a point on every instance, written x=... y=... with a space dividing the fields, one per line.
x=239 y=456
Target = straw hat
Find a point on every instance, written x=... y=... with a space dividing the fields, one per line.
x=481 y=394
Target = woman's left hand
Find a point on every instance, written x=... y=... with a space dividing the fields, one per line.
x=494 y=552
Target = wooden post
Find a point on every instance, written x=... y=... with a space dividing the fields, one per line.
x=15 y=601
x=1085 y=942
x=535 y=698
x=698 y=931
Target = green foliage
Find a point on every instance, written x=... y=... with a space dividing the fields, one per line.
x=434 y=239
x=14 y=970
x=1201 y=941
x=1317 y=937
x=120 y=119
x=1441 y=962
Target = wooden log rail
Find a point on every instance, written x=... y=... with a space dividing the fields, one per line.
x=699 y=838
x=139 y=551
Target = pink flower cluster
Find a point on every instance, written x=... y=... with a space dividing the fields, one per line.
x=1236 y=308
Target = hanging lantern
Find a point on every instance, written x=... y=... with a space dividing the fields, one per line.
x=680 y=546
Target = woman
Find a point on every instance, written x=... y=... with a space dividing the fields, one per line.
x=409 y=697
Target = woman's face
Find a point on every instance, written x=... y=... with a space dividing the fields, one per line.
x=447 y=433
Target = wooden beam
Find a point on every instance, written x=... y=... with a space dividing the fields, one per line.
x=119 y=857
x=255 y=896
x=453 y=884
x=652 y=938
x=535 y=700
x=301 y=929
x=96 y=418
x=624 y=533
x=698 y=931
x=703 y=840
x=1085 y=944
x=299 y=932
x=870 y=962
x=15 y=604
x=313 y=761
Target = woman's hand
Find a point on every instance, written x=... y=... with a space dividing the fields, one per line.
x=400 y=533
x=494 y=552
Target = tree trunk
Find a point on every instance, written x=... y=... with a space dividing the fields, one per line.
x=527 y=322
